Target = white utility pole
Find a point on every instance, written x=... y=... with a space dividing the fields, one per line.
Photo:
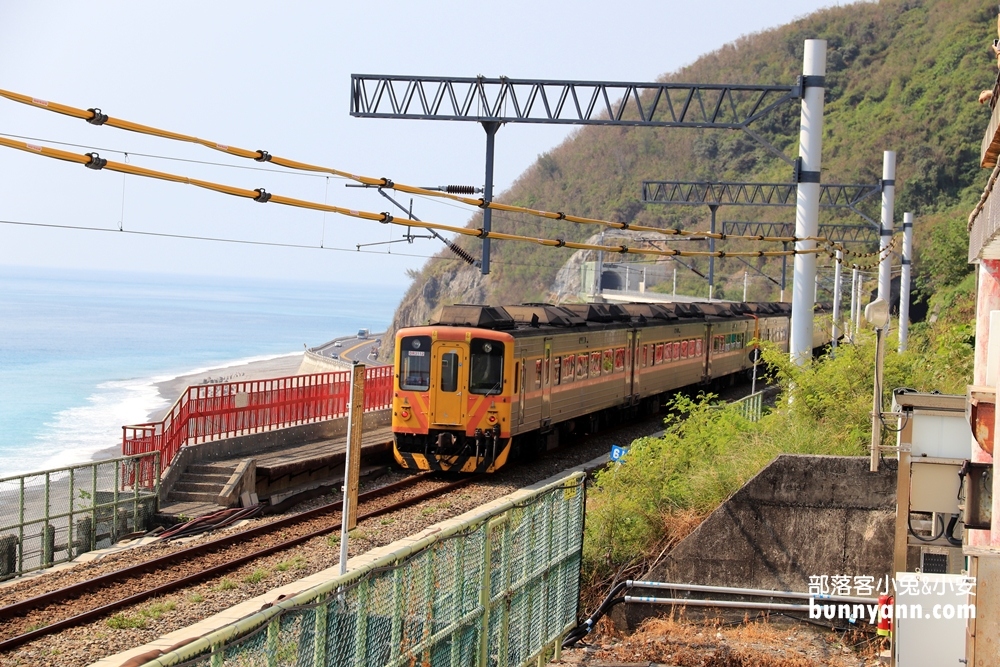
x=807 y=198
x=855 y=299
x=675 y=281
x=744 y=287
x=836 y=298
x=885 y=227
x=904 y=281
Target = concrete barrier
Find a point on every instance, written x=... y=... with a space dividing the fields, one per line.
x=801 y=516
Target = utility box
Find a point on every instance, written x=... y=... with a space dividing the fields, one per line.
x=933 y=442
x=930 y=615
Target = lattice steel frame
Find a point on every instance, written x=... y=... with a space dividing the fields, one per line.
x=841 y=233
x=504 y=100
x=494 y=101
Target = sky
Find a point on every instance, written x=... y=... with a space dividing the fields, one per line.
x=276 y=77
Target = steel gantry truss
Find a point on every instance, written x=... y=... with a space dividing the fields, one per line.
x=495 y=101
x=753 y=194
x=504 y=100
x=839 y=233
x=734 y=193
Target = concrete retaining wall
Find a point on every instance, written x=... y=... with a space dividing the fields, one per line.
x=800 y=516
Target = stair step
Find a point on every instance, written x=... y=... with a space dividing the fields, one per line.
x=191 y=496
x=214 y=479
x=197 y=487
x=211 y=469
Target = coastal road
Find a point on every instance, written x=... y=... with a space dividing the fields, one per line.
x=352 y=348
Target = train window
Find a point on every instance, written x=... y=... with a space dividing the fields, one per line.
x=684 y=349
x=486 y=368
x=595 y=364
x=608 y=364
x=668 y=352
x=449 y=371
x=619 y=359
x=517 y=376
x=568 y=368
x=645 y=355
x=538 y=374
x=415 y=363
x=677 y=351
x=581 y=366
x=658 y=356
x=557 y=371
x=699 y=347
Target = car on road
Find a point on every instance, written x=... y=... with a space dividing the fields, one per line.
x=338 y=344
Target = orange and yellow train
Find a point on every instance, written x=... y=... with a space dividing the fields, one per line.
x=484 y=382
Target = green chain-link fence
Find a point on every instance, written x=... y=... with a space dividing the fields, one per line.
x=55 y=515
x=497 y=589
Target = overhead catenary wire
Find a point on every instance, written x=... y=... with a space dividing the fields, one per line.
x=96 y=162
x=95 y=116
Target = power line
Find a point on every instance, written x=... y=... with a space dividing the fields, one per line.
x=278 y=244
x=181 y=159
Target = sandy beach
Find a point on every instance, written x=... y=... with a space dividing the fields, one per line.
x=171 y=389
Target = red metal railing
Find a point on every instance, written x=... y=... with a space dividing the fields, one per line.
x=228 y=409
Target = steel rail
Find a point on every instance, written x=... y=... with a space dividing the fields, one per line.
x=20 y=608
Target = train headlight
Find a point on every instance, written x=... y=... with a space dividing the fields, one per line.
x=487 y=347
x=405 y=414
x=492 y=419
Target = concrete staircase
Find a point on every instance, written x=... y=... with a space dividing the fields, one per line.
x=197 y=491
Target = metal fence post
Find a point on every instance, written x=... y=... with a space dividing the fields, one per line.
x=319 y=633
x=20 y=532
x=273 y=628
x=361 y=629
x=484 y=596
x=395 y=645
x=93 y=507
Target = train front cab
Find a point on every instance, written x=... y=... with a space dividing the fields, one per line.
x=452 y=399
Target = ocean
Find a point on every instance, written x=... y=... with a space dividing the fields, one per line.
x=81 y=351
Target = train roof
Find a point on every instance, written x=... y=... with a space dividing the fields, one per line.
x=598 y=315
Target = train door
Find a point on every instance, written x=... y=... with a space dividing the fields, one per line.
x=547 y=382
x=447 y=394
x=632 y=364
x=521 y=391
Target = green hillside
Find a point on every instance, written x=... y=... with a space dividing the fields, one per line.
x=901 y=75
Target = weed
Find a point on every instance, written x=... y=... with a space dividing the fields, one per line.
x=357 y=534
x=123 y=621
x=196 y=598
x=333 y=540
x=256 y=576
x=427 y=511
x=296 y=563
x=36 y=626
x=225 y=585
x=158 y=609
x=387 y=521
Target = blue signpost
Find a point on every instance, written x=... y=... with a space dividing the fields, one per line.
x=618 y=452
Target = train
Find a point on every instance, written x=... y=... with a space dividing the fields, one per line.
x=481 y=385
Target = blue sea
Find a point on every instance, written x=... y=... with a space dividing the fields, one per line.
x=81 y=351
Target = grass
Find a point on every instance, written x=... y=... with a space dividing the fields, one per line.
x=36 y=626
x=427 y=511
x=294 y=563
x=387 y=522
x=225 y=585
x=333 y=540
x=158 y=609
x=196 y=598
x=123 y=621
x=257 y=576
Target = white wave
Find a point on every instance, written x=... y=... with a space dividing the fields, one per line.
x=76 y=434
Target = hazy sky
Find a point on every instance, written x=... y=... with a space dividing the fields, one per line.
x=276 y=76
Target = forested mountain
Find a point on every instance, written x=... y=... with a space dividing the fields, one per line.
x=902 y=75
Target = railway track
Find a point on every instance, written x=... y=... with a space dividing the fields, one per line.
x=85 y=601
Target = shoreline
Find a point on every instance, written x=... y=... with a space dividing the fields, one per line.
x=170 y=389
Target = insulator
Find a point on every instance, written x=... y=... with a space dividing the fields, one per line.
x=466 y=257
x=460 y=189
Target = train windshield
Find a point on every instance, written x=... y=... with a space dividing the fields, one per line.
x=415 y=363
x=486 y=369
